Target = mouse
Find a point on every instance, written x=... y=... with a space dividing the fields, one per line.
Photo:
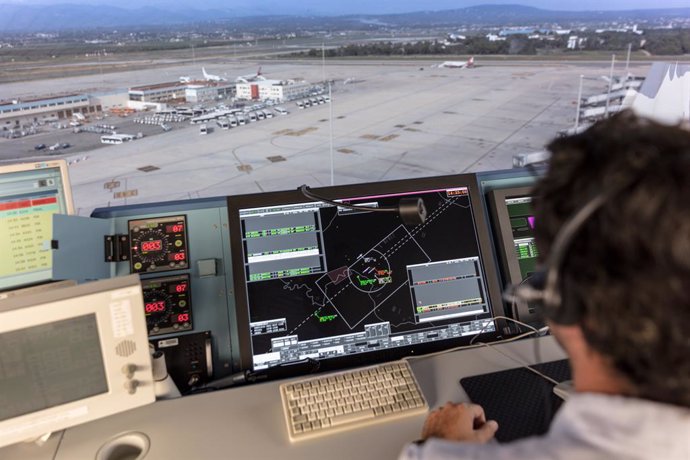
x=564 y=389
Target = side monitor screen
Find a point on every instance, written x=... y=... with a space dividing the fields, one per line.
x=513 y=224
x=325 y=282
x=522 y=228
x=29 y=196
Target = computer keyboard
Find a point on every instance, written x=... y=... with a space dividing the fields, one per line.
x=335 y=402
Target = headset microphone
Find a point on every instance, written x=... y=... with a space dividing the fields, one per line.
x=412 y=211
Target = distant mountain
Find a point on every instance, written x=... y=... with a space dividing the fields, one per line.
x=521 y=15
x=45 y=18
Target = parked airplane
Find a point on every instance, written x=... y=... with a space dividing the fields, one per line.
x=458 y=64
x=250 y=77
x=185 y=79
x=211 y=77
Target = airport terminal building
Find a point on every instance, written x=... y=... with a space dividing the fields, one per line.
x=16 y=113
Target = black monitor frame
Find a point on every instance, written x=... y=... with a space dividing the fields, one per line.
x=505 y=246
x=493 y=294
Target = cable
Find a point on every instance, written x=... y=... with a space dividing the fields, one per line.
x=508 y=295
x=548 y=405
x=527 y=366
x=246 y=376
x=488 y=323
x=537 y=355
x=536 y=351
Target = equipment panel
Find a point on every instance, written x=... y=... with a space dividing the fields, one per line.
x=168 y=304
x=197 y=295
x=158 y=245
x=188 y=358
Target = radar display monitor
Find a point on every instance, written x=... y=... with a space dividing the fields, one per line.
x=72 y=355
x=347 y=286
x=513 y=223
x=30 y=193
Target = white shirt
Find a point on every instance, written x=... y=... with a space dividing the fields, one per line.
x=588 y=427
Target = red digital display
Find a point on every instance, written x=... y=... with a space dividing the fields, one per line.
x=155 y=245
x=178 y=256
x=176 y=228
x=183 y=317
x=155 y=307
x=179 y=288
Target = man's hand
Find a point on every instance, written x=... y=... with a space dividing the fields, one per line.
x=459 y=422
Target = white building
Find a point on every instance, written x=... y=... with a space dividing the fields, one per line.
x=575 y=42
x=192 y=91
x=111 y=100
x=495 y=38
x=277 y=90
x=197 y=92
x=158 y=93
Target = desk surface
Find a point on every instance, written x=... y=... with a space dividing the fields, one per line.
x=248 y=422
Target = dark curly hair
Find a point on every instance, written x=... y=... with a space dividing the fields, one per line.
x=628 y=267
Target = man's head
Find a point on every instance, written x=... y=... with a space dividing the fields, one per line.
x=627 y=270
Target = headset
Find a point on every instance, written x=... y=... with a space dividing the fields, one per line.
x=542 y=289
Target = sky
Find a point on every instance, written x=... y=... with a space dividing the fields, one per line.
x=369 y=7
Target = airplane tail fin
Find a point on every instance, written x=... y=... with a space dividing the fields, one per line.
x=470 y=62
x=258 y=72
x=203 y=70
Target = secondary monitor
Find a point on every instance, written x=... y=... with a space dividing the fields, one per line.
x=30 y=193
x=513 y=223
x=72 y=355
x=345 y=287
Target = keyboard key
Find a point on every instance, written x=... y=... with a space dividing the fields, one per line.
x=352 y=417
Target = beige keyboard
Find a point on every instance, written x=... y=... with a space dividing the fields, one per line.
x=335 y=402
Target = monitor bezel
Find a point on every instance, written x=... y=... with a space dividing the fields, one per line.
x=503 y=234
x=237 y=202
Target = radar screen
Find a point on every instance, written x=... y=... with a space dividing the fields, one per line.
x=167 y=304
x=322 y=282
x=158 y=245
